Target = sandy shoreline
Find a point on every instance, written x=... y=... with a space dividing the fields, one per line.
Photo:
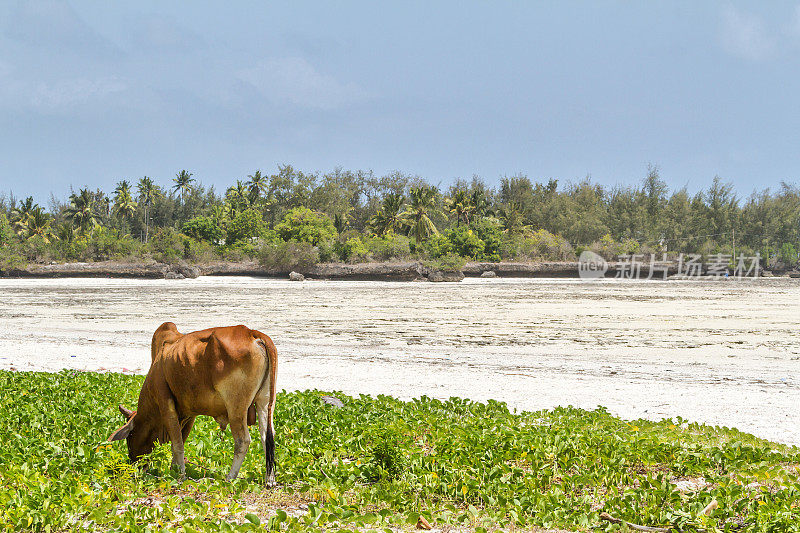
x=724 y=353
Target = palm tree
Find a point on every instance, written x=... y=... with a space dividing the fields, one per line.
x=123 y=188
x=256 y=185
x=39 y=224
x=183 y=184
x=65 y=232
x=20 y=215
x=340 y=220
x=459 y=205
x=124 y=205
x=220 y=214
x=82 y=210
x=511 y=217
x=416 y=215
x=478 y=204
x=148 y=192
x=388 y=218
x=238 y=196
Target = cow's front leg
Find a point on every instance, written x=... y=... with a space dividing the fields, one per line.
x=173 y=425
x=241 y=442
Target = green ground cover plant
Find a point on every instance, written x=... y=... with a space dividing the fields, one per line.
x=379 y=463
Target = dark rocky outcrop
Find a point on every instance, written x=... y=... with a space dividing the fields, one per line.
x=187 y=271
x=392 y=271
x=435 y=276
x=544 y=269
x=439 y=276
x=244 y=268
x=105 y=269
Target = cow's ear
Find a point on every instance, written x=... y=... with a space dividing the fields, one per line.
x=124 y=431
x=127 y=413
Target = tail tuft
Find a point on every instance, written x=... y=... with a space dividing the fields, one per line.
x=270 y=454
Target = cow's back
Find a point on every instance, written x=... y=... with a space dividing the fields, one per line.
x=201 y=367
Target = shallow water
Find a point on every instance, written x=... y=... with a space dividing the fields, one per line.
x=725 y=352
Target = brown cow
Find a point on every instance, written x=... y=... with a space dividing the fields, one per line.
x=226 y=373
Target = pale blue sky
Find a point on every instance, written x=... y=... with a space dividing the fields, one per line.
x=95 y=91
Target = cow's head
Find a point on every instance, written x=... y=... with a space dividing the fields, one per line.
x=139 y=433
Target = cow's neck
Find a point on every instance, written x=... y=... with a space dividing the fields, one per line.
x=148 y=414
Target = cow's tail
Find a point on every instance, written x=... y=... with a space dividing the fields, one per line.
x=270 y=381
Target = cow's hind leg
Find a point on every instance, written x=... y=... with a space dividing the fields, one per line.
x=186 y=427
x=241 y=441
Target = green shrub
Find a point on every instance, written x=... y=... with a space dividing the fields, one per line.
x=233 y=253
x=387 y=454
x=240 y=251
x=607 y=247
x=304 y=225
x=390 y=246
x=36 y=249
x=6 y=232
x=327 y=251
x=787 y=254
x=447 y=263
x=269 y=236
x=10 y=258
x=289 y=255
x=351 y=249
x=465 y=242
x=490 y=231
x=245 y=226
x=709 y=248
x=552 y=247
x=75 y=249
x=166 y=245
x=437 y=245
x=198 y=251
x=204 y=228
x=543 y=245
x=611 y=249
x=103 y=244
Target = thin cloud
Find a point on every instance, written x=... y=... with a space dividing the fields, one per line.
x=150 y=33
x=745 y=35
x=295 y=81
x=55 y=25
x=794 y=25
x=66 y=93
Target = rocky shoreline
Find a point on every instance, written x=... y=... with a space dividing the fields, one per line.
x=376 y=271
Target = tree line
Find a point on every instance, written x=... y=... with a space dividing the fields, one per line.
x=293 y=218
